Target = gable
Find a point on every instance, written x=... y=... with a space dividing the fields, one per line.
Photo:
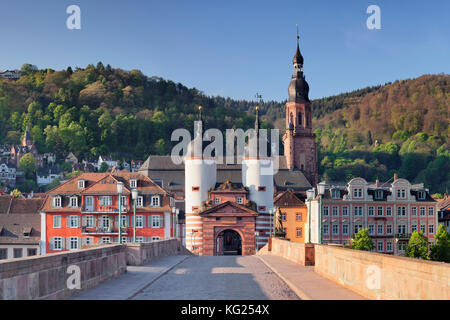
x=228 y=208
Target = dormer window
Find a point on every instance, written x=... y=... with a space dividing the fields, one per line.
x=57 y=202
x=81 y=184
x=73 y=202
x=401 y=193
x=379 y=194
x=133 y=183
x=335 y=194
x=155 y=201
x=357 y=193
x=421 y=195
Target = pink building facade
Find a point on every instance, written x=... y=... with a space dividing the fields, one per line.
x=391 y=212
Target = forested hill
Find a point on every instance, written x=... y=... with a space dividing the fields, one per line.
x=100 y=110
x=399 y=127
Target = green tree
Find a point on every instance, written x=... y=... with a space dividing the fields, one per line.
x=28 y=165
x=417 y=246
x=362 y=240
x=441 y=250
x=103 y=167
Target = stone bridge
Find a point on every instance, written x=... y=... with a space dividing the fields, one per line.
x=166 y=270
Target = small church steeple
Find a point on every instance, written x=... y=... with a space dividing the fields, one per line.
x=27 y=140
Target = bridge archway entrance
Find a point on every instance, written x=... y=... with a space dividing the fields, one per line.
x=228 y=242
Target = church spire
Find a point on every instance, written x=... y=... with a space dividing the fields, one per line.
x=298 y=88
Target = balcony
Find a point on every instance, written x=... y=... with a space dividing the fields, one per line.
x=102 y=209
x=403 y=236
x=103 y=230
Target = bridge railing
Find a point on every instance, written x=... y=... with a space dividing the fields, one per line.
x=62 y=275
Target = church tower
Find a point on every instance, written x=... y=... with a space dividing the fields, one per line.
x=300 y=147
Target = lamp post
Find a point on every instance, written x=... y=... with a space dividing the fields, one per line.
x=321 y=191
x=256 y=235
x=134 y=196
x=309 y=196
x=119 y=192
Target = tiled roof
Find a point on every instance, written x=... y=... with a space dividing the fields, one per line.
x=288 y=199
x=103 y=184
x=11 y=205
x=172 y=176
x=12 y=227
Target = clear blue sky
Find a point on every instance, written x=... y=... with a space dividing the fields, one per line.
x=234 y=48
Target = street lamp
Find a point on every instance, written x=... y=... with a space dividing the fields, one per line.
x=256 y=235
x=134 y=196
x=120 y=192
x=309 y=196
x=321 y=191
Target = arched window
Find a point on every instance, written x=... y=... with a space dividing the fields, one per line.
x=300 y=119
x=291 y=118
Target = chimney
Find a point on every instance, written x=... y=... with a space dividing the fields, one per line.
x=377 y=183
x=395 y=176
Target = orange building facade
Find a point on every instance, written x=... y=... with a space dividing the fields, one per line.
x=85 y=211
x=294 y=215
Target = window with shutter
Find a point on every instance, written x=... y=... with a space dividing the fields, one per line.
x=52 y=243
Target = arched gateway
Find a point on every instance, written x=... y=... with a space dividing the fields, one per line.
x=228 y=242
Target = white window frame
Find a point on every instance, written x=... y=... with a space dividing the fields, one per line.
x=345 y=229
x=133 y=183
x=431 y=229
x=389 y=229
x=216 y=200
x=345 y=211
x=389 y=246
x=378 y=246
x=371 y=211
x=73 y=240
x=57 y=202
x=105 y=200
x=156 y=221
x=421 y=195
x=326 y=211
x=140 y=221
x=380 y=227
x=73 y=202
x=155 y=201
x=140 y=201
x=57 y=222
x=371 y=229
x=81 y=184
x=335 y=229
x=423 y=212
x=155 y=238
x=239 y=200
x=413 y=228
x=326 y=229
x=90 y=221
x=388 y=211
x=380 y=211
x=414 y=211
x=430 y=211
x=106 y=239
x=74 y=222
x=140 y=240
x=59 y=240
x=335 y=211
x=335 y=194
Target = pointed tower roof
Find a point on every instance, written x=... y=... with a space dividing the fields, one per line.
x=298 y=58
